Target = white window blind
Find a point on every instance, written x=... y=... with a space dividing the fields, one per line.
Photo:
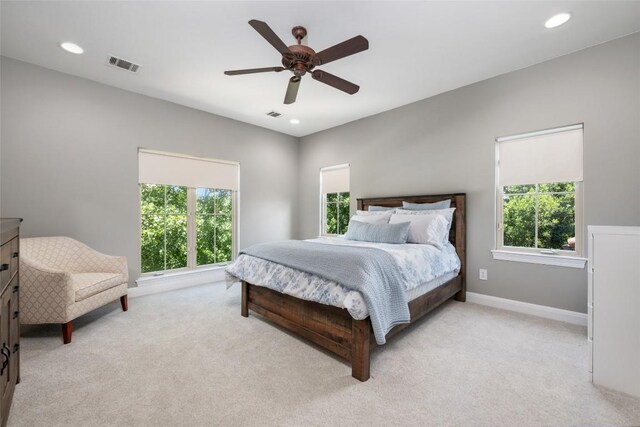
x=334 y=179
x=174 y=169
x=553 y=155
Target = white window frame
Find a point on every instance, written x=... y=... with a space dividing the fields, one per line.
x=323 y=199
x=324 y=202
x=192 y=235
x=556 y=257
x=187 y=175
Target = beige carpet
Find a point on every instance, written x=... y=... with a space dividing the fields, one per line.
x=189 y=358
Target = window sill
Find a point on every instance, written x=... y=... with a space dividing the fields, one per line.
x=557 y=260
x=205 y=274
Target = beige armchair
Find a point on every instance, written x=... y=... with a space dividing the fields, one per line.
x=62 y=279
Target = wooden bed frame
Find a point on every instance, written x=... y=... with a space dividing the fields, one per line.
x=333 y=328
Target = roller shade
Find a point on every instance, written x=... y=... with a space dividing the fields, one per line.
x=175 y=169
x=334 y=179
x=553 y=155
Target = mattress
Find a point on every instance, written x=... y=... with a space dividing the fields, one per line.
x=423 y=268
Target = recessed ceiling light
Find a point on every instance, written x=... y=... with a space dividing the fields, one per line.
x=557 y=20
x=72 y=48
x=294 y=121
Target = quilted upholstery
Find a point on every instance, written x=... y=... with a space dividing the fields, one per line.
x=62 y=279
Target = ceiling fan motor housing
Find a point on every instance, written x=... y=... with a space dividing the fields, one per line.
x=302 y=60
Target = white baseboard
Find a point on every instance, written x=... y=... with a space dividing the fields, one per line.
x=171 y=282
x=553 y=313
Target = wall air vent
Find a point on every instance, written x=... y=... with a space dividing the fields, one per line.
x=123 y=64
x=274 y=114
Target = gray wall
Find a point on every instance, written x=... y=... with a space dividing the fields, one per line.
x=446 y=144
x=69 y=159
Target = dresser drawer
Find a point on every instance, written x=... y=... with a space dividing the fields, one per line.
x=5 y=265
x=15 y=254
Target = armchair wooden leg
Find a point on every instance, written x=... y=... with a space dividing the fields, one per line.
x=124 y=302
x=67 y=329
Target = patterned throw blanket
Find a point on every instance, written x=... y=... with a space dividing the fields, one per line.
x=373 y=272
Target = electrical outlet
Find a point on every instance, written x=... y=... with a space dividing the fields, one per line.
x=483 y=274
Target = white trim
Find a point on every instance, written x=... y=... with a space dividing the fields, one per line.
x=323 y=195
x=191 y=228
x=536 y=258
x=540 y=132
x=613 y=229
x=188 y=156
x=544 y=311
x=341 y=166
x=148 y=285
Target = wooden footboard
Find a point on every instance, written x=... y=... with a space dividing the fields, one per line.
x=331 y=327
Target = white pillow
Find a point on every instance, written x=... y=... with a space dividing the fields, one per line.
x=389 y=212
x=373 y=219
x=447 y=213
x=425 y=229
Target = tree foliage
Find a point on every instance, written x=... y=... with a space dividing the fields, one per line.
x=164 y=226
x=555 y=207
x=213 y=226
x=337 y=213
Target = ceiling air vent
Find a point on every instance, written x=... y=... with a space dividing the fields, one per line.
x=274 y=114
x=123 y=64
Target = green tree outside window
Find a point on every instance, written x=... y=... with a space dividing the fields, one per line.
x=337 y=208
x=164 y=226
x=539 y=215
x=213 y=225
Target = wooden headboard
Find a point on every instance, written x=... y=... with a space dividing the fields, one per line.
x=458 y=233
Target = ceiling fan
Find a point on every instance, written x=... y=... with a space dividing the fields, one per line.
x=300 y=59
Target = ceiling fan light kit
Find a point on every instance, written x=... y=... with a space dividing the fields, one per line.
x=300 y=59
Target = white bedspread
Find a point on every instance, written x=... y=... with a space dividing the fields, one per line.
x=418 y=264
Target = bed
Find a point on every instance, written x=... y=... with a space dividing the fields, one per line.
x=334 y=328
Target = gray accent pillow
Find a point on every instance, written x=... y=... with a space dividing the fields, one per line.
x=443 y=204
x=373 y=208
x=378 y=233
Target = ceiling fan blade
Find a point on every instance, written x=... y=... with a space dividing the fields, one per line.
x=337 y=82
x=265 y=31
x=253 y=70
x=292 y=90
x=346 y=48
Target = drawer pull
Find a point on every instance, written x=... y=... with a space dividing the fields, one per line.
x=4 y=267
x=15 y=255
x=16 y=288
x=6 y=354
x=16 y=314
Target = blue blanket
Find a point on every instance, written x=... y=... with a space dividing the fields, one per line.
x=370 y=271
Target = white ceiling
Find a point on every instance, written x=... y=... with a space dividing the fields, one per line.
x=417 y=49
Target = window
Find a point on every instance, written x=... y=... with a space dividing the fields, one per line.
x=213 y=225
x=337 y=207
x=335 y=202
x=539 y=195
x=163 y=211
x=183 y=223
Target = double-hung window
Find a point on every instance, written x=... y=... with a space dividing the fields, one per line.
x=539 y=197
x=188 y=210
x=335 y=202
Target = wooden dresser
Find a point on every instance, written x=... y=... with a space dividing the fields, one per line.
x=9 y=313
